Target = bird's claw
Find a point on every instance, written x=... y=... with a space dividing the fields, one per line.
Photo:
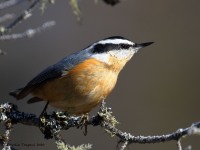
x=84 y=122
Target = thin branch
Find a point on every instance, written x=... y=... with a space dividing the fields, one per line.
x=6 y=17
x=124 y=145
x=150 y=139
x=179 y=144
x=28 y=33
x=10 y=3
x=26 y=14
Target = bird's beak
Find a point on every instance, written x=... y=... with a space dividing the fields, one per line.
x=144 y=44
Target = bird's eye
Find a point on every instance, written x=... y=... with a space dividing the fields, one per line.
x=135 y=45
x=125 y=46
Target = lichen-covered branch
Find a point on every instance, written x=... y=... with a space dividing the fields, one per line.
x=51 y=125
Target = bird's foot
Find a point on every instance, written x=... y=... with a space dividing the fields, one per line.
x=44 y=112
x=42 y=117
x=84 y=122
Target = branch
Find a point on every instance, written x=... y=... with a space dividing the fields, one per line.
x=6 y=17
x=51 y=125
x=28 y=33
x=10 y=3
x=26 y=14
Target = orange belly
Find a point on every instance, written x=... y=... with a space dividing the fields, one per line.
x=80 y=89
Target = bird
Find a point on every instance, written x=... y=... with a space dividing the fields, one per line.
x=80 y=81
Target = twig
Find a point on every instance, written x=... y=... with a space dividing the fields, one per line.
x=10 y=3
x=28 y=33
x=26 y=14
x=179 y=144
x=6 y=17
x=124 y=145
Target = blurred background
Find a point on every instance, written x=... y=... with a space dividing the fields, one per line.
x=157 y=92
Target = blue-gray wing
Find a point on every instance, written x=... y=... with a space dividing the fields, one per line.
x=52 y=72
x=49 y=73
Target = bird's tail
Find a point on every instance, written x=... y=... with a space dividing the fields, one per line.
x=17 y=93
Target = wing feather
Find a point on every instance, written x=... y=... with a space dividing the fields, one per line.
x=52 y=72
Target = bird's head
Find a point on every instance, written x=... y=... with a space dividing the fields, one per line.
x=115 y=50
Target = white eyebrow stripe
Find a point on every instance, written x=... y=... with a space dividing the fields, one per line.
x=115 y=41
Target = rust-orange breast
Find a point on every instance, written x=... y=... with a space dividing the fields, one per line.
x=81 y=88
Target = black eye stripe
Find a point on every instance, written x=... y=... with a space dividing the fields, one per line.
x=100 y=48
x=125 y=46
x=135 y=45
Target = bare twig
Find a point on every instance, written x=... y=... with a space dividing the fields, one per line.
x=6 y=17
x=28 y=33
x=179 y=144
x=26 y=14
x=10 y=3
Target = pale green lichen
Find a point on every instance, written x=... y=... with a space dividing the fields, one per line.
x=2 y=29
x=73 y=3
x=44 y=4
x=62 y=146
x=107 y=116
x=76 y=9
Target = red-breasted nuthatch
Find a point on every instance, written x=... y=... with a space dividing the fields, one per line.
x=80 y=81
